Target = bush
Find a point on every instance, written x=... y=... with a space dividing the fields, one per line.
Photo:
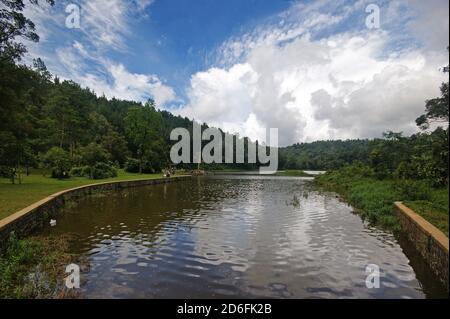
x=103 y=170
x=6 y=171
x=86 y=171
x=405 y=170
x=77 y=171
x=94 y=153
x=358 y=170
x=81 y=171
x=98 y=171
x=132 y=166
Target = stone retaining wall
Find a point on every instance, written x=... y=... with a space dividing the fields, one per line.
x=35 y=216
x=431 y=243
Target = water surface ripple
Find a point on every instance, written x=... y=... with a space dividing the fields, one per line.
x=234 y=236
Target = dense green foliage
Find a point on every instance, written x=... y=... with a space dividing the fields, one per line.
x=48 y=123
x=421 y=156
x=99 y=170
x=45 y=122
x=60 y=125
x=324 y=155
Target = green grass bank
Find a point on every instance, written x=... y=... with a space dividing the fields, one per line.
x=373 y=198
x=14 y=197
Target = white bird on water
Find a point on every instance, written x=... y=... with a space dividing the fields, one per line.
x=52 y=222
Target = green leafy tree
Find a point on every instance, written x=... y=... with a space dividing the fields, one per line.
x=14 y=24
x=67 y=110
x=433 y=161
x=22 y=91
x=387 y=153
x=116 y=145
x=8 y=155
x=431 y=157
x=105 y=135
x=144 y=127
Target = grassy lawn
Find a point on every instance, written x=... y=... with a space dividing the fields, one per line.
x=36 y=186
x=374 y=198
x=434 y=210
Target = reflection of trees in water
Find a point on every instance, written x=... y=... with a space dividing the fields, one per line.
x=231 y=236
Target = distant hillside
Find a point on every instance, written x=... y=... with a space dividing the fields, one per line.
x=324 y=155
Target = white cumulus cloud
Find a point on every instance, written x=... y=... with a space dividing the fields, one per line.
x=312 y=84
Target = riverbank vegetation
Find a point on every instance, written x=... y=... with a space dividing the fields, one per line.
x=34 y=268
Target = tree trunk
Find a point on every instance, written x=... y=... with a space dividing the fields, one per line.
x=19 y=176
x=62 y=133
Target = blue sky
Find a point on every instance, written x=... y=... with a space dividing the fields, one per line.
x=179 y=35
x=170 y=38
x=312 y=69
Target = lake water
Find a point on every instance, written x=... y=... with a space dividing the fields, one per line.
x=236 y=236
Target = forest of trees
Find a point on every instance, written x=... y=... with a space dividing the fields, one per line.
x=423 y=155
x=46 y=122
